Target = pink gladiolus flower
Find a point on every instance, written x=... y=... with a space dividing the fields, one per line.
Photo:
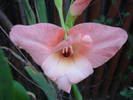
x=67 y=62
x=78 y=7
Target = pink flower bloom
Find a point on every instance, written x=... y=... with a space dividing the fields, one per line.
x=78 y=7
x=67 y=62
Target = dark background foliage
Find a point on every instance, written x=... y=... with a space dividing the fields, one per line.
x=111 y=81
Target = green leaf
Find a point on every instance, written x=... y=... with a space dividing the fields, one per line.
x=126 y=14
x=96 y=21
x=47 y=88
x=29 y=12
x=6 y=85
x=127 y=93
x=19 y=92
x=109 y=21
x=58 y=4
x=102 y=18
x=41 y=8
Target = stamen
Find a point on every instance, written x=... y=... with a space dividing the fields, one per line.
x=67 y=51
x=71 y=49
x=63 y=50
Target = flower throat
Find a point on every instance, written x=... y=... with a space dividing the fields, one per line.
x=67 y=52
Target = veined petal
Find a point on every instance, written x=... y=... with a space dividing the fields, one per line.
x=78 y=7
x=37 y=39
x=106 y=41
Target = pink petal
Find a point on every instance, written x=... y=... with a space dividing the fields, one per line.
x=37 y=39
x=69 y=41
x=78 y=7
x=106 y=41
x=64 y=84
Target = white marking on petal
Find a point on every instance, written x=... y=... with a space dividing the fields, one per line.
x=80 y=69
x=49 y=67
x=75 y=69
x=87 y=39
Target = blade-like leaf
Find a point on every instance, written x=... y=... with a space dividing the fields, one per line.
x=76 y=92
x=19 y=92
x=41 y=10
x=6 y=85
x=29 y=12
x=58 y=4
x=42 y=82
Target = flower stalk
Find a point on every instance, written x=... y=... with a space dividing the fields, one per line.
x=59 y=7
x=62 y=22
x=76 y=92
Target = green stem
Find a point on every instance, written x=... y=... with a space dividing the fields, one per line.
x=61 y=18
x=76 y=92
x=63 y=23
